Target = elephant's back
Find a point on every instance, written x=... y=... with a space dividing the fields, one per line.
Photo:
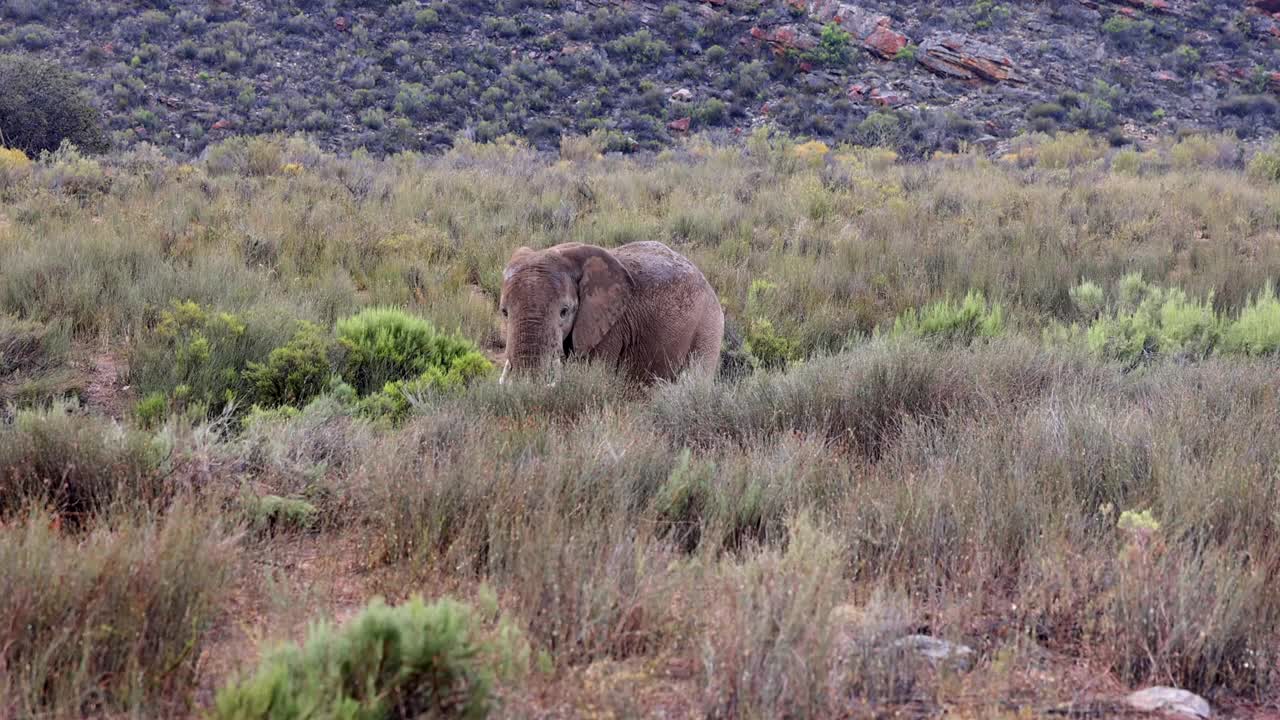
x=655 y=265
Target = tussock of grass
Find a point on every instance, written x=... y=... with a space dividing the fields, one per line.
x=112 y=622
x=75 y=464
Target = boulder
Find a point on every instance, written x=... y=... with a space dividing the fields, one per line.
x=1170 y=701
x=341 y=23
x=885 y=42
x=1270 y=6
x=682 y=95
x=681 y=125
x=785 y=37
x=952 y=55
x=223 y=124
x=938 y=651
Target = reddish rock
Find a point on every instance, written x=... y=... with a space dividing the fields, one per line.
x=785 y=37
x=223 y=124
x=1165 y=76
x=806 y=67
x=887 y=99
x=341 y=23
x=857 y=90
x=681 y=125
x=885 y=42
x=961 y=57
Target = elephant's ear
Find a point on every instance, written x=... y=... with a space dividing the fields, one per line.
x=605 y=288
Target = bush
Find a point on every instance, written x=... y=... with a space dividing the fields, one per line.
x=1257 y=330
x=1147 y=322
x=111 y=624
x=949 y=322
x=197 y=359
x=271 y=514
x=412 y=660
x=295 y=373
x=385 y=345
x=834 y=47
x=14 y=165
x=1265 y=164
x=42 y=105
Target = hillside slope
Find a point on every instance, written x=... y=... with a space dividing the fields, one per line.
x=411 y=75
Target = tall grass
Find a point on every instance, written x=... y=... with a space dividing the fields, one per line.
x=111 y=622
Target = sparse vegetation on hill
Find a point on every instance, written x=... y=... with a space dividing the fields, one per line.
x=417 y=74
x=1023 y=404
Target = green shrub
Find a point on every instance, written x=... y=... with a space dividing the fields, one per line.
x=42 y=105
x=949 y=322
x=412 y=660
x=1257 y=330
x=272 y=514
x=1265 y=164
x=385 y=345
x=1147 y=322
x=766 y=347
x=1089 y=299
x=197 y=358
x=295 y=373
x=834 y=47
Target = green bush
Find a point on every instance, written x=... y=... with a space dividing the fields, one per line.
x=42 y=105
x=834 y=47
x=385 y=345
x=766 y=347
x=412 y=660
x=1257 y=330
x=272 y=513
x=1265 y=164
x=949 y=322
x=197 y=358
x=295 y=373
x=1147 y=322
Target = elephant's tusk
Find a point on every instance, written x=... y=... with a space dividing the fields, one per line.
x=557 y=371
x=502 y=380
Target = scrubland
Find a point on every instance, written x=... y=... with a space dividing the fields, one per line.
x=1028 y=405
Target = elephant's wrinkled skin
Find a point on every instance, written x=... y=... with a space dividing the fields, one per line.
x=641 y=308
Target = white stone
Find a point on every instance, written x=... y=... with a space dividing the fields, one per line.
x=939 y=651
x=1170 y=700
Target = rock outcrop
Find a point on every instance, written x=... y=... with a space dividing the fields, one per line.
x=960 y=57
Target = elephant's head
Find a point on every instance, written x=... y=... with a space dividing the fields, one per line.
x=559 y=301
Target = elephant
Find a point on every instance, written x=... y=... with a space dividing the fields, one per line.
x=641 y=308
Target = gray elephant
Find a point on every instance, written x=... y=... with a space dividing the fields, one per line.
x=641 y=308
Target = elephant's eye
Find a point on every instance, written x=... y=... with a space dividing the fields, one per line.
x=504 y=312
x=564 y=311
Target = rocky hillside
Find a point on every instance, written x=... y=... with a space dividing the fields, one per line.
x=919 y=76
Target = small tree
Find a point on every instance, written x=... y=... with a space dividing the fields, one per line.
x=42 y=104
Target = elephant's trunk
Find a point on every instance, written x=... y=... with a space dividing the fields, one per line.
x=527 y=351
